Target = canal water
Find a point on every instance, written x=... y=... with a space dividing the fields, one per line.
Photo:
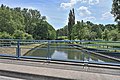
x=65 y=52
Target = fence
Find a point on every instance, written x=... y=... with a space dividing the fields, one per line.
x=63 y=50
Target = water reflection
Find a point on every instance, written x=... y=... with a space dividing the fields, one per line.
x=59 y=55
x=67 y=54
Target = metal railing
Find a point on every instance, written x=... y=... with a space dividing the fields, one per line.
x=61 y=50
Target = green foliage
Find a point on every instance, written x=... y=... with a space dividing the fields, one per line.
x=30 y=24
x=97 y=30
x=52 y=32
x=78 y=31
x=21 y=35
x=44 y=31
x=89 y=31
x=106 y=35
x=71 y=22
x=25 y=23
x=116 y=11
x=28 y=36
x=63 y=31
x=92 y=36
x=114 y=35
x=6 y=22
x=10 y=20
x=4 y=35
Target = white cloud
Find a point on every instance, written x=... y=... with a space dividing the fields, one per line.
x=93 y=2
x=91 y=18
x=71 y=3
x=83 y=11
x=66 y=5
x=84 y=1
x=107 y=16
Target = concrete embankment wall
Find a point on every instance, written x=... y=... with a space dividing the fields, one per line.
x=96 y=53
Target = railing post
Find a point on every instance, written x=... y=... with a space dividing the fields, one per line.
x=18 y=49
x=48 y=55
x=89 y=56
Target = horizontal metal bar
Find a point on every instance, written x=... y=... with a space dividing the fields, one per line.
x=61 y=40
x=100 y=45
x=31 y=57
x=104 y=63
x=6 y=55
x=8 y=47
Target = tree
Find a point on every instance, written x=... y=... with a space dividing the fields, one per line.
x=10 y=20
x=89 y=23
x=110 y=26
x=25 y=23
x=116 y=12
x=51 y=32
x=3 y=6
x=6 y=22
x=86 y=33
x=106 y=35
x=81 y=34
x=98 y=30
x=114 y=35
x=71 y=22
x=78 y=30
x=44 y=31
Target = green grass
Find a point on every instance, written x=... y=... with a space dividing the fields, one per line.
x=109 y=46
x=63 y=37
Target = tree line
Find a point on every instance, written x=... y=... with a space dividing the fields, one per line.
x=90 y=31
x=17 y=23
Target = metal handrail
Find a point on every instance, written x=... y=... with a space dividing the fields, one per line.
x=18 y=43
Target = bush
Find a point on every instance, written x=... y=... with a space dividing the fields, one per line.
x=5 y=35
x=28 y=36
x=22 y=35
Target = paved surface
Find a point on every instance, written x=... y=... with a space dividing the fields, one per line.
x=9 y=78
x=59 y=70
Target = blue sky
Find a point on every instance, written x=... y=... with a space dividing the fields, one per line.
x=97 y=11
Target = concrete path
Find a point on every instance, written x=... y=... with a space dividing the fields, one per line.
x=57 y=70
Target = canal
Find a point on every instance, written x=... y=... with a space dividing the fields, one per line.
x=66 y=52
